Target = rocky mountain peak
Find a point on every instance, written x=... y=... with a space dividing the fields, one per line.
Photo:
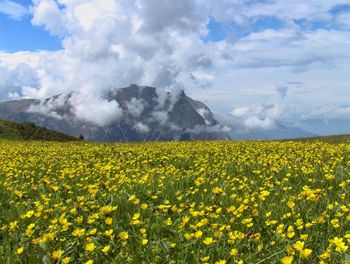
x=143 y=113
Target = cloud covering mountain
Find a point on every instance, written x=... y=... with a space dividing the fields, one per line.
x=141 y=113
x=262 y=61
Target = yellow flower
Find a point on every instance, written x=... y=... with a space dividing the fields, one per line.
x=169 y=222
x=56 y=255
x=109 y=232
x=290 y=232
x=66 y=260
x=188 y=236
x=79 y=220
x=299 y=245
x=291 y=204
x=136 y=216
x=185 y=219
x=305 y=253
x=78 y=232
x=144 y=241
x=340 y=245
x=204 y=259
x=93 y=231
x=208 y=241
x=109 y=221
x=13 y=225
x=89 y=261
x=335 y=223
x=123 y=235
x=90 y=246
x=106 y=249
x=221 y=262
x=108 y=209
x=280 y=229
x=234 y=252
x=198 y=234
x=304 y=237
x=325 y=255
x=20 y=250
x=144 y=206
x=287 y=260
x=290 y=250
x=29 y=231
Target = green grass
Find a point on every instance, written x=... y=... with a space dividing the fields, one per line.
x=327 y=139
x=29 y=131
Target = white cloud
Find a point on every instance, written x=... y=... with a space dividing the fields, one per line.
x=13 y=10
x=47 y=13
x=258 y=117
x=135 y=107
x=13 y=80
x=329 y=111
x=240 y=111
x=108 y=43
x=141 y=127
x=95 y=109
x=254 y=122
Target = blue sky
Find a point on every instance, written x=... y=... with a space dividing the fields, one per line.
x=255 y=61
x=21 y=35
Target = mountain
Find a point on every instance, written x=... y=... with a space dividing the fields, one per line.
x=144 y=114
x=29 y=131
x=278 y=132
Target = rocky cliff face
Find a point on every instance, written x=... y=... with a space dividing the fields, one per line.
x=146 y=114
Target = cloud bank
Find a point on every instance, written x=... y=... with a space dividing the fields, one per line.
x=272 y=57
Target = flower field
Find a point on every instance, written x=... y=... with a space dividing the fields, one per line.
x=191 y=202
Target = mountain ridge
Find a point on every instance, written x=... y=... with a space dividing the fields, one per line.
x=144 y=113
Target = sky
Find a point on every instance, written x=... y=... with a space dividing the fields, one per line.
x=260 y=62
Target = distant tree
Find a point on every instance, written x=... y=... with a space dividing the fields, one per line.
x=81 y=137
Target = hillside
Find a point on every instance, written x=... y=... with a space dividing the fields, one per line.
x=328 y=139
x=29 y=131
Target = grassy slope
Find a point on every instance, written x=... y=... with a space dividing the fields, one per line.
x=29 y=131
x=328 y=139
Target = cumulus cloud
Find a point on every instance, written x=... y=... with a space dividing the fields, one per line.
x=259 y=117
x=12 y=81
x=47 y=13
x=103 y=113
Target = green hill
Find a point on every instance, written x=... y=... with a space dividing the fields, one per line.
x=29 y=131
x=328 y=139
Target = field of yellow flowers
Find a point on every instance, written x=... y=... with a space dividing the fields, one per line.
x=193 y=202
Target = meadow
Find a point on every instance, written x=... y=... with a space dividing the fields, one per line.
x=189 y=202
